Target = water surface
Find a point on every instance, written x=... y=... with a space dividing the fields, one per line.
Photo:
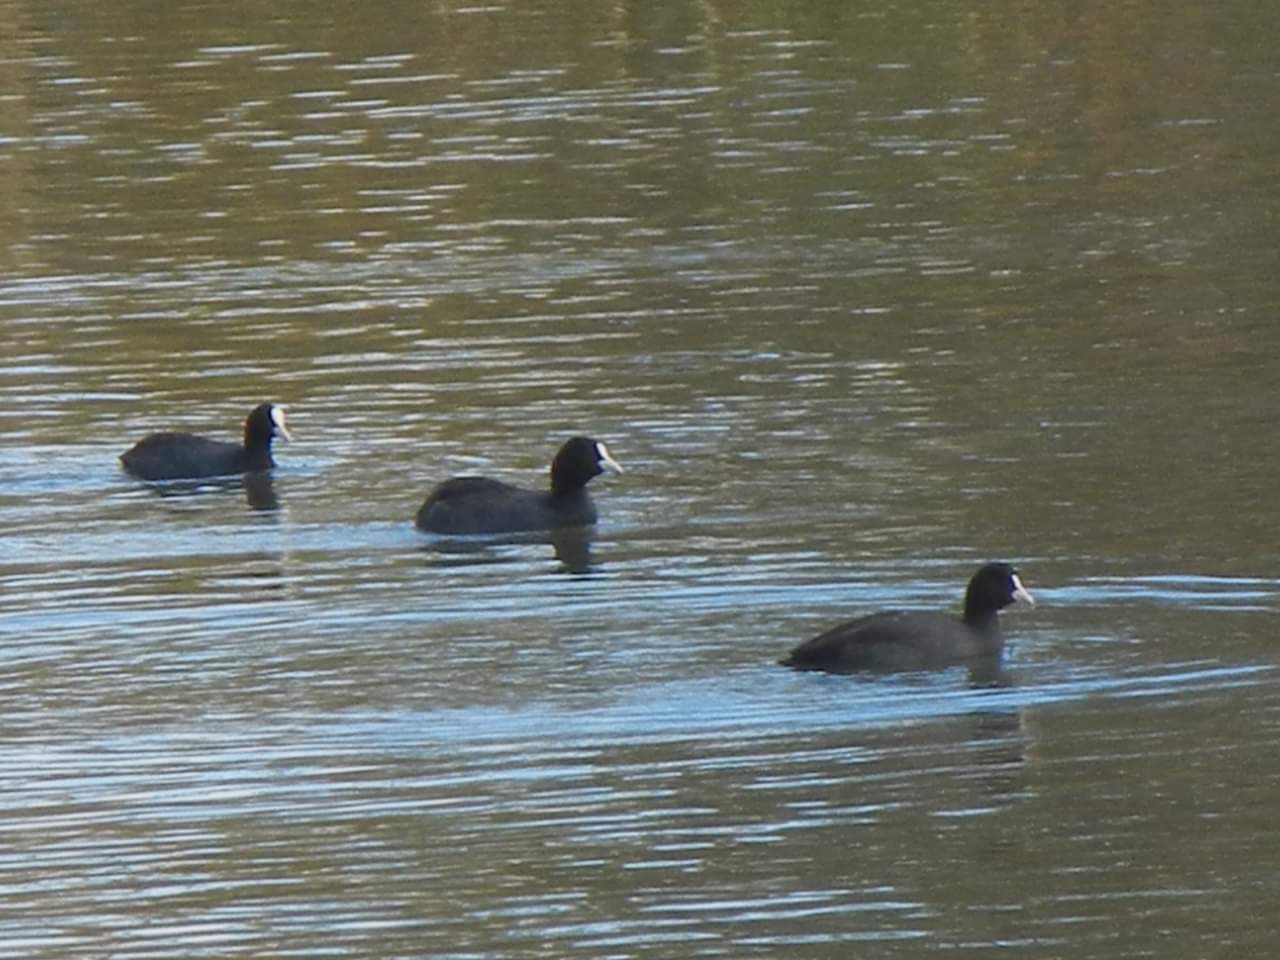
x=860 y=298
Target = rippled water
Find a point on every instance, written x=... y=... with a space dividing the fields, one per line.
x=859 y=298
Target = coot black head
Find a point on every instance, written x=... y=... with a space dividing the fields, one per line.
x=918 y=639
x=265 y=422
x=185 y=456
x=577 y=461
x=465 y=505
x=990 y=590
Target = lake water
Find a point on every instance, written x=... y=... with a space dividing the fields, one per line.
x=861 y=296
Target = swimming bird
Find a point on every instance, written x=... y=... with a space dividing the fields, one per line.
x=182 y=456
x=469 y=505
x=918 y=639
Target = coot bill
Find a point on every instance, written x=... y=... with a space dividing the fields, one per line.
x=916 y=639
x=185 y=456
x=473 y=505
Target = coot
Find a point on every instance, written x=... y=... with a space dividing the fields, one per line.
x=480 y=505
x=184 y=456
x=918 y=640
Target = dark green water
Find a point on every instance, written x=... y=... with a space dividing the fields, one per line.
x=860 y=295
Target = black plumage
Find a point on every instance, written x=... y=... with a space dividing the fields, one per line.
x=186 y=456
x=479 y=505
x=918 y=639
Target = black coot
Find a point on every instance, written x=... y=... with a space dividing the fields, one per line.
x=918 y=640
x=185 y=456
x=480 y=505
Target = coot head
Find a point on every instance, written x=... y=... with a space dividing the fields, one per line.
x=265 y=422
x=990 y=590
x=577 y=461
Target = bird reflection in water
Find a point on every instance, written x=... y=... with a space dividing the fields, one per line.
x=258 y=487
x=570 y=545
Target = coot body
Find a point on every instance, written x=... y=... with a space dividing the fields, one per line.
x=918 y=639
x=479 y=505
x=186 y=456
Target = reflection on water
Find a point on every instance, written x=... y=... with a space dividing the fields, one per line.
x=866 y=299
x=258 y=488
x=571 y=546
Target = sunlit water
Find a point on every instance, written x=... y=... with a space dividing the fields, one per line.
x=855 y=316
